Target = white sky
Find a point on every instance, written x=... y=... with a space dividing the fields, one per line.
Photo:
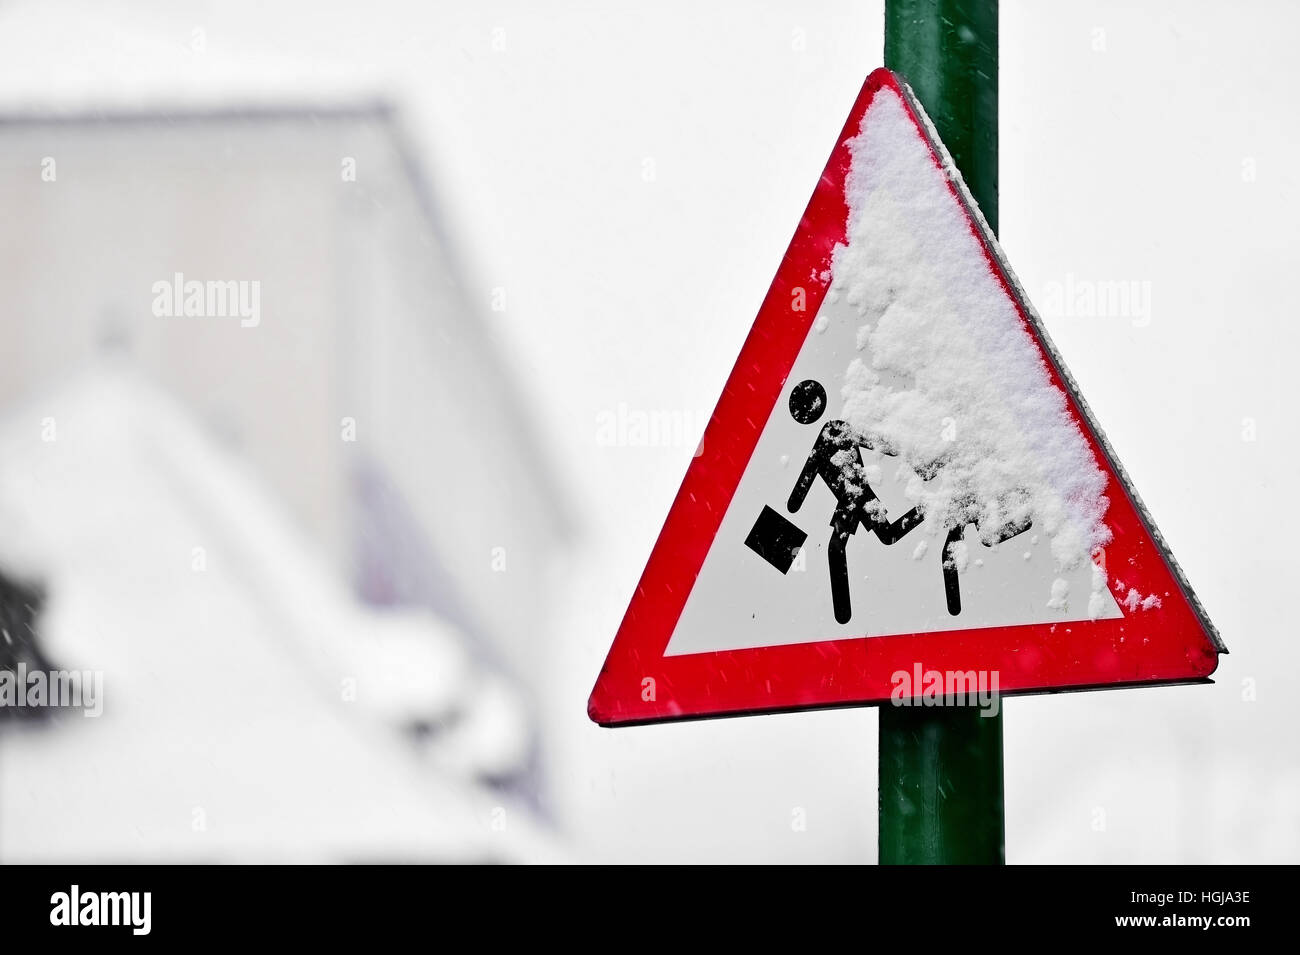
x=1151 y=144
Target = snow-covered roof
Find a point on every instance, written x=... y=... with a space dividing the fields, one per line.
x=250 y=706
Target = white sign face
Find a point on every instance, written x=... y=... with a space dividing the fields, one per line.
x=917 y=349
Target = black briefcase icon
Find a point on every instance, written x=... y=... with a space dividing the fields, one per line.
x=775 y=539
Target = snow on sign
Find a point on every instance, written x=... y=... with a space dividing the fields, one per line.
x=899 y=476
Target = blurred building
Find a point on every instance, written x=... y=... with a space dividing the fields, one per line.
x=254 y=427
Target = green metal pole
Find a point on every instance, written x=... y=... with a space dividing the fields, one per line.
x=941 y=767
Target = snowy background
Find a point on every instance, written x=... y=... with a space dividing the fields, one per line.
x=619 y=183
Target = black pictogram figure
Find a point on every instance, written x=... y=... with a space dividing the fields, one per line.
x=951 y=584
x=775 y=539
x=836 y=458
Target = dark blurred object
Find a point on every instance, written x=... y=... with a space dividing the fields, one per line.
x=20 y=604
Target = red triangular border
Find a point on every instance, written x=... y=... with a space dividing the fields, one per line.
x=638 y=684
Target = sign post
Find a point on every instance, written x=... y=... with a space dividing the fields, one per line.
x=941 y=767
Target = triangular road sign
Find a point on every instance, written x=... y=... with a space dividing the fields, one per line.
x=900 y=477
